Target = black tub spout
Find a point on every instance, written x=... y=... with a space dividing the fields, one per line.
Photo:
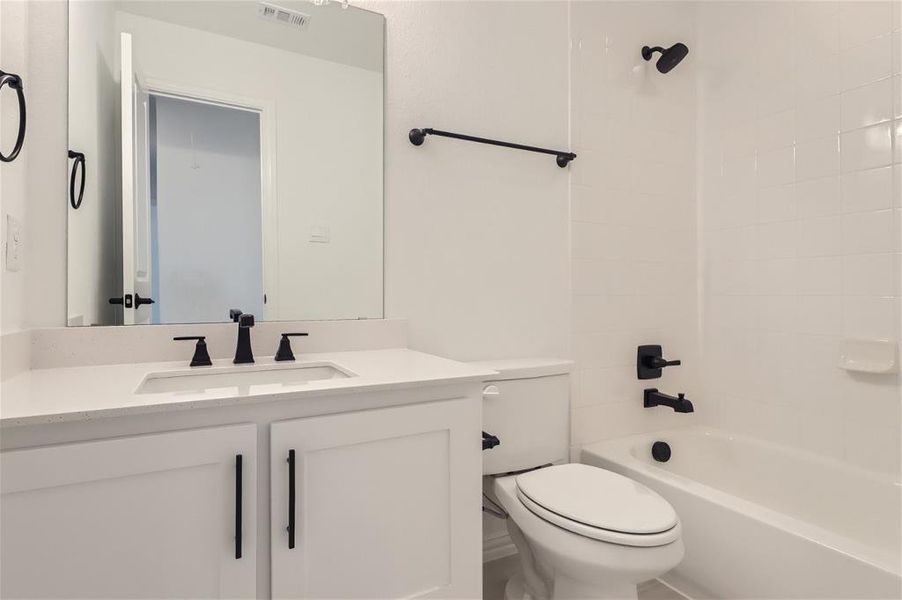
x=678 y=403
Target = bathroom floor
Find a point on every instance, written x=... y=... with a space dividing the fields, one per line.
x=496 y=573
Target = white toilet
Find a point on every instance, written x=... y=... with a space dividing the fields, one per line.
x=581 y=532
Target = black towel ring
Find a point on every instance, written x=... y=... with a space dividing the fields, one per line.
x=79 y=160
x=15 y=82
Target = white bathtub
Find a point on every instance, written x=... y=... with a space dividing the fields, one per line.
x=761 y=520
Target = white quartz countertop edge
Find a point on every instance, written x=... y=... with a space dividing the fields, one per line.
x=93 y=392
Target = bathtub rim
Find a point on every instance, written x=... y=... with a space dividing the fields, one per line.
x=619 y=451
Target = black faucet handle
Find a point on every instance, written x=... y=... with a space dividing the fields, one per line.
x=234 y=314
x=656 y=362
x=201 y=357
x=245 y=320
x=284 y=352
x=650 y=361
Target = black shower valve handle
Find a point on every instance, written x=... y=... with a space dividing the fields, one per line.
x=650 y=361
x=656 y=362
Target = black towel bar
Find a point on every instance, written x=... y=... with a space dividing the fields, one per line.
x=418 y=136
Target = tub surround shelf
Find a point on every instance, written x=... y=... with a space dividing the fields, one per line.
x=868 y=356
x=93 y=392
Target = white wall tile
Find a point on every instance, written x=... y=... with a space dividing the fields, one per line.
x=776 y=130
x=867 y=190
x=633 y=218
x=869 y=232
x=867 y=105
x=818 y=78
x=870 y=317
x=866 y=63
x=776 y=167
x=871 y=275
x=866 y=148
x=819 y=236
x=838 y=273
x=818 y=197
x=864 y=20
x=818 y=158
x=818 y=119
x=776 y=203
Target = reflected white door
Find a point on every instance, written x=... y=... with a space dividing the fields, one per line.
x=136 y=254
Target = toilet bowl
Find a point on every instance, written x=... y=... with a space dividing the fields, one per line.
x=586 y=533
x=581 y=532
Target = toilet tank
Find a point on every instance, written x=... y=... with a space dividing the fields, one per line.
x=527 y=406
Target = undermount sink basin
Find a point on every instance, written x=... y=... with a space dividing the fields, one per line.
x=203 y=379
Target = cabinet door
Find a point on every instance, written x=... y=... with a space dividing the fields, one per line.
x=386 y=503
x=152 y=516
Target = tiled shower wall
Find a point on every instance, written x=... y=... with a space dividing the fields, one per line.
x=633 y=214
x=799 y=199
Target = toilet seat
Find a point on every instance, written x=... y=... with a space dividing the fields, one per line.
x=599 y=504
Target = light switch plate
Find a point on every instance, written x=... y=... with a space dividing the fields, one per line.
x=13 y=244
x=320 y=234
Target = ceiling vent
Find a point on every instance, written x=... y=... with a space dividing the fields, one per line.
x=277 y=14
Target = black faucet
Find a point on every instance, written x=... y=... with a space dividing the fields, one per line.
x=243 y=351
x=679 y=403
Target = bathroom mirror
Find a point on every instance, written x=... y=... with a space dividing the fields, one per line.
x=224 y=154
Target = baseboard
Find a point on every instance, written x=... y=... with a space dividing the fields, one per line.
x=497 y=547
x=683 y=587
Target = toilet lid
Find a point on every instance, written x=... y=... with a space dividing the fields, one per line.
x=592 y=498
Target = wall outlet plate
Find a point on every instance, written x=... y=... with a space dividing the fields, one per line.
x=14 y=244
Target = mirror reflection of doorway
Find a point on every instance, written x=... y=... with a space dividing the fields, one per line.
x=206 y=245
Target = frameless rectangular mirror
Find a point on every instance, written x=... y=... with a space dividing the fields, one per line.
x=224 y=154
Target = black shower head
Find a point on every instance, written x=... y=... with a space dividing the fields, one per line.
x=670 y=57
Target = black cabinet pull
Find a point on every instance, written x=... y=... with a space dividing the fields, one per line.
x=15 y=83
x=79 y=161
x=291 y=499
x=238 y=469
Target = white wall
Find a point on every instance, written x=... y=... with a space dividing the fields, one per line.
x=200 y=272
x=34 y=187
x=633 y=216
x=95 y=273
x=13 y=176
x=800 y=145
x=476 y=236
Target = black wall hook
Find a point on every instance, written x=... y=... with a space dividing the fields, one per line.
x=418 y=136
x=15 y=83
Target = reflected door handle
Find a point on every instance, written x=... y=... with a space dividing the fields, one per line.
x=125 y=300
x=139 y=301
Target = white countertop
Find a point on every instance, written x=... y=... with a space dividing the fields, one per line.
x=92 y=392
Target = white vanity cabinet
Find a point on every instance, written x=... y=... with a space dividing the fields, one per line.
x=385 y=503
x=168 y=515
x=106 y=492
